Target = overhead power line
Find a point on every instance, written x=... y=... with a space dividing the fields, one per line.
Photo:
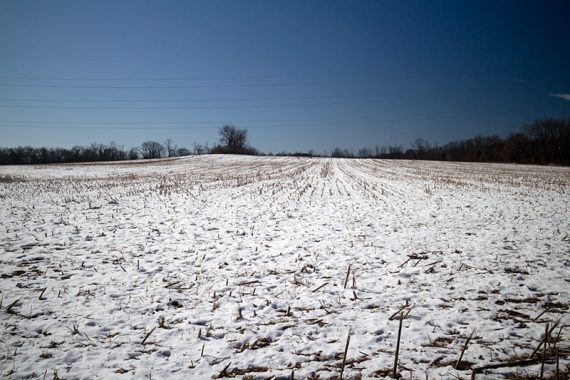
x=223 y=85
x=280 y=76
x=234 y=85
x=183 y=122
x=188 y=125
x=193 y=107
x=245 y=99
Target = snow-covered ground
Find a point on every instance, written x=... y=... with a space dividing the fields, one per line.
x=260 y=267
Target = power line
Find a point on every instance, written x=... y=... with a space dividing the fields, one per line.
x=311 y=83
x=233 y=85
x=60 y=100
x=211 y=106
x=226 y=106
x=195 y=107
x=241 y=77
x=303 y=121
x=160 y=126
x=186 y=122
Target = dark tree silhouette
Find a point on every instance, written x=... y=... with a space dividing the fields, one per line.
x=152 y=149
x=181 y=152
x=170 y=148
x=233 y=141
x=133 y=154
x=545 y=141
x=232 y=137
x=549 y=140
x=422 y=148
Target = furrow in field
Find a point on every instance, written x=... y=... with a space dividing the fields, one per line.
x=264 y=264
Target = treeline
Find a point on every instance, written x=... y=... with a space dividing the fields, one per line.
x=95 y=153
x=542 y=142
x=232 y=140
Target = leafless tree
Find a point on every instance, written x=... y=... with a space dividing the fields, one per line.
x=421 y=146
x=181 y=152
x=232 y=137
x=133 y=154
x=170 y=148
x=198 y=149
x=152 y=149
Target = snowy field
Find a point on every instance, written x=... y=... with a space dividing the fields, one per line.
x=260 y=267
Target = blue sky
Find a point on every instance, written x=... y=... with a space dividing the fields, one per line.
x=298 y=75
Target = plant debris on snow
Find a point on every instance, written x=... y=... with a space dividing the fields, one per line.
x=259 y=267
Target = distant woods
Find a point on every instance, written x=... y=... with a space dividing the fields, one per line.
x=232 y=140
x=542 y=142
x=96 y=153
x=90 y=153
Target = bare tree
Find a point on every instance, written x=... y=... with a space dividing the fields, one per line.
x=395 y=151
x=232 y=141
x=422 y=147
x=170 y=148
x=198 y=149
x=133 y=154
x=152 y=149
x=344 y=153
x=232 y=137
x=550 y=140
x=181 y=152
x=365 y=152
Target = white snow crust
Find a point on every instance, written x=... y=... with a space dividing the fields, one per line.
x=230 y=266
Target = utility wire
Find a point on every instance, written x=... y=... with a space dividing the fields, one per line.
x=254 y=106
x=226 y=106
x=322 y=124
x=238 y=77
x=441 y=96
x=312 y=83
x=191 y=121
x=234 y=85
x=348 y=119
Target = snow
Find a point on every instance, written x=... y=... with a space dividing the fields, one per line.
x=236 y=267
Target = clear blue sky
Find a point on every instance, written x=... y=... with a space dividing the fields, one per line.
x=298 y=75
